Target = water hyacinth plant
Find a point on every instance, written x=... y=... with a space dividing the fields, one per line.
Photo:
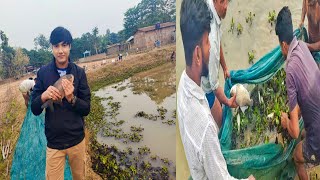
x=261 y=123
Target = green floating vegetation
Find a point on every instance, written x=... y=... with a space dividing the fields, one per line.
x=251 y=57
x=144 y=150
x=136 y=129
x=153 y=157
x=249 y=18
x=113 y=109
x=162 y=112
x=272 y=17
x=135 y=137
x=113 y=126
x=239 y=29
x=232 y=25
x=109 y=98
x=95 y=121
x=116 y=123
x=121 y=88
x=174 y=114
x=146 y=116
x=169 y=122
x=261 y=123
x=111 y=163
x=166 y=161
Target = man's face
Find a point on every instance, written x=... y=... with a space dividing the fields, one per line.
x=205 y=51
x=221 y=7
x=284 y=49
x=61 y=52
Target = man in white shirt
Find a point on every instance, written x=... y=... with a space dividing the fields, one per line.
x=210 y=82
x=199 y=131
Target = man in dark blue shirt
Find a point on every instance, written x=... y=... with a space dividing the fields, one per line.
x=64 y=127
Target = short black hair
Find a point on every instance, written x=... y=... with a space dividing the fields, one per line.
x=284 y=28
x=195 y=18
x=60 y=34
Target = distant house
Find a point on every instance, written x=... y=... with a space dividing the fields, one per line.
x=113 y=49
x=147 y=37
x=118 y=47
x=156 y=35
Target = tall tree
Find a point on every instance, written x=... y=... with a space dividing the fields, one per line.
x=7 y=54
x=39 y=57
x=148 y=12
x=113 y=38
x=4 y=39
x=95 y=39
x=20 y=60
x=42 y=42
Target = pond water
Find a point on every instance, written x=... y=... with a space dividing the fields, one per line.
x=146 y=91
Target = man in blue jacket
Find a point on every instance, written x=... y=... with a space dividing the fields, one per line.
x=64 y=127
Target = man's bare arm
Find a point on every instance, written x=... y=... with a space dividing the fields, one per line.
x=291 y=124
x=304 y=11
x=314 y=46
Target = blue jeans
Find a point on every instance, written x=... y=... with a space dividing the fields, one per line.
x=210 y=98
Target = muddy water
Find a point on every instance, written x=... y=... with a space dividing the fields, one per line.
x=136 y=95
x=260 y=38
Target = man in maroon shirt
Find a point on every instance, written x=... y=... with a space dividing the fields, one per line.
x=303 y=88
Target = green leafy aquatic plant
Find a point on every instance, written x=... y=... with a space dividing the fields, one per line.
x=162 y=112
x=165 y=161
x=144 y=150
x=249 y=18
x=251 y=57
x=153 y=157
x=121 y=88
x=262 y=121
x=272 y=17
x=174 y=114
x=232 y=25
x=169 y=122
x=239 y=29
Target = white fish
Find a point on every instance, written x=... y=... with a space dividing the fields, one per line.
x=242 y=95
x=271 y=115
x=243 y=108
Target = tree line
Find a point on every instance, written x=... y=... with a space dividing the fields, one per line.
x=148 y=12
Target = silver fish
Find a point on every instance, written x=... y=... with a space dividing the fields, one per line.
x=58 y=85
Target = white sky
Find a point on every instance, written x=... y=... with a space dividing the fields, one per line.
x=23 y=20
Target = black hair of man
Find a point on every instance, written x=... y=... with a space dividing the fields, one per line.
x=195 y=18
x=284 y=28
x=60 y=34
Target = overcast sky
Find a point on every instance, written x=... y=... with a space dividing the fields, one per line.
x=23 y=20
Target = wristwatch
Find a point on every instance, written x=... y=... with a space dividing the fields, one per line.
x=73 y=100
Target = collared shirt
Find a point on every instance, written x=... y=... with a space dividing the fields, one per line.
x=303 y=87
x=211 y=82
x=199 y=133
